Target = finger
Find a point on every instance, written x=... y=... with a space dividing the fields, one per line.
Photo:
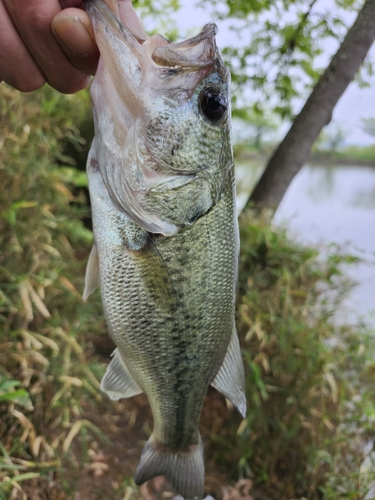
x=17 y=67
x=33 y=22
x=65 y=4
x=74 y=32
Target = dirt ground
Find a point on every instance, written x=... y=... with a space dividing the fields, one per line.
x=104 y=469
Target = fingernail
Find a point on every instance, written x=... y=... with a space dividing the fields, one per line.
x=72 y=35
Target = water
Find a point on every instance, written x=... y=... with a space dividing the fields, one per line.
x=331 y=204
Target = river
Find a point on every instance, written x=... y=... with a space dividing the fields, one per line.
x=330 y=204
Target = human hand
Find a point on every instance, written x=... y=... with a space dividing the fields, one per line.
x=46 y=41
x=53 y=41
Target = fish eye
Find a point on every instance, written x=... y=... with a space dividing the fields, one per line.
x=213 y=104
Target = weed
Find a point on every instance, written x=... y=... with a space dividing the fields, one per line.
x=44 y=375
x=309 y=381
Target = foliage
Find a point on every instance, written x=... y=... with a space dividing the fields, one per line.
x=309 y=382
x=156 y=16
x=368 y=126
x=275 y=57
x=155 y=8
x=44 y=377
x=254 y=127
x=355 y=155
x=334 y=136
x=358 y=153
x=9 y=391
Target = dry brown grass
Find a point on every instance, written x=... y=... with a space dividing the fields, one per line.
x=309 y=383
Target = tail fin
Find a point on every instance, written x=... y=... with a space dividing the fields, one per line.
x=184 y=470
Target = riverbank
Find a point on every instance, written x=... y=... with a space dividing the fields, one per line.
x=353 y=155
x=61 y=438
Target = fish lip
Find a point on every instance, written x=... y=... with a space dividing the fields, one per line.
x=100 y=13
x=156 y=57
x=181 y=54
x=208 y=30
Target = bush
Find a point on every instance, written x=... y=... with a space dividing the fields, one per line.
x=44 y=325
x=309 y=381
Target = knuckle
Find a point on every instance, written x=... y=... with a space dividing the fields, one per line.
x=25 y=82
x=40 y=20
x=70 y=85
x=30 y=87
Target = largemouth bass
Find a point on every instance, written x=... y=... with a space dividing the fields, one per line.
x=161 y=184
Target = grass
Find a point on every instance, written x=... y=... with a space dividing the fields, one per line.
x=358 y=153
x=44 y=375
x=349 y=155
x=309 y=382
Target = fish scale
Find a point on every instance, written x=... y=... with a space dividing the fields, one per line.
x=161 y=182
x=131 y=309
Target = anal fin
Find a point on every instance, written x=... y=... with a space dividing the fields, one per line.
x=230 y=379
x=117 y=382
x=92 y=277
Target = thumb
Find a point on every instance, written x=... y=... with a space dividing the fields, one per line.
x=73 y=31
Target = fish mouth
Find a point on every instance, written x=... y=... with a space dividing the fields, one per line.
x=134 y=73
x=193 y=55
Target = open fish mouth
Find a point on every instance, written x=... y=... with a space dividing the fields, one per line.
x=137 y=64
x=192 y=54
x=151 y=128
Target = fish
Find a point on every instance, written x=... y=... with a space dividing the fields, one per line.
x=165 y=252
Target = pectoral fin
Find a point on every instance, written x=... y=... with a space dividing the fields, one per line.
x=117 y=382
x=150 y=266
x=230 y=379
x=92 y=278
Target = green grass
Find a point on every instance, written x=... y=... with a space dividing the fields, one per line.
x=45 y=326
x=309 y=382
x=358 y=153
x=364 y=155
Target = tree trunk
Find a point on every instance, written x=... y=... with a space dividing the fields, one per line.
x=293 y=151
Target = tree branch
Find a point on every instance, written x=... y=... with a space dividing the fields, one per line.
x=293 y=151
